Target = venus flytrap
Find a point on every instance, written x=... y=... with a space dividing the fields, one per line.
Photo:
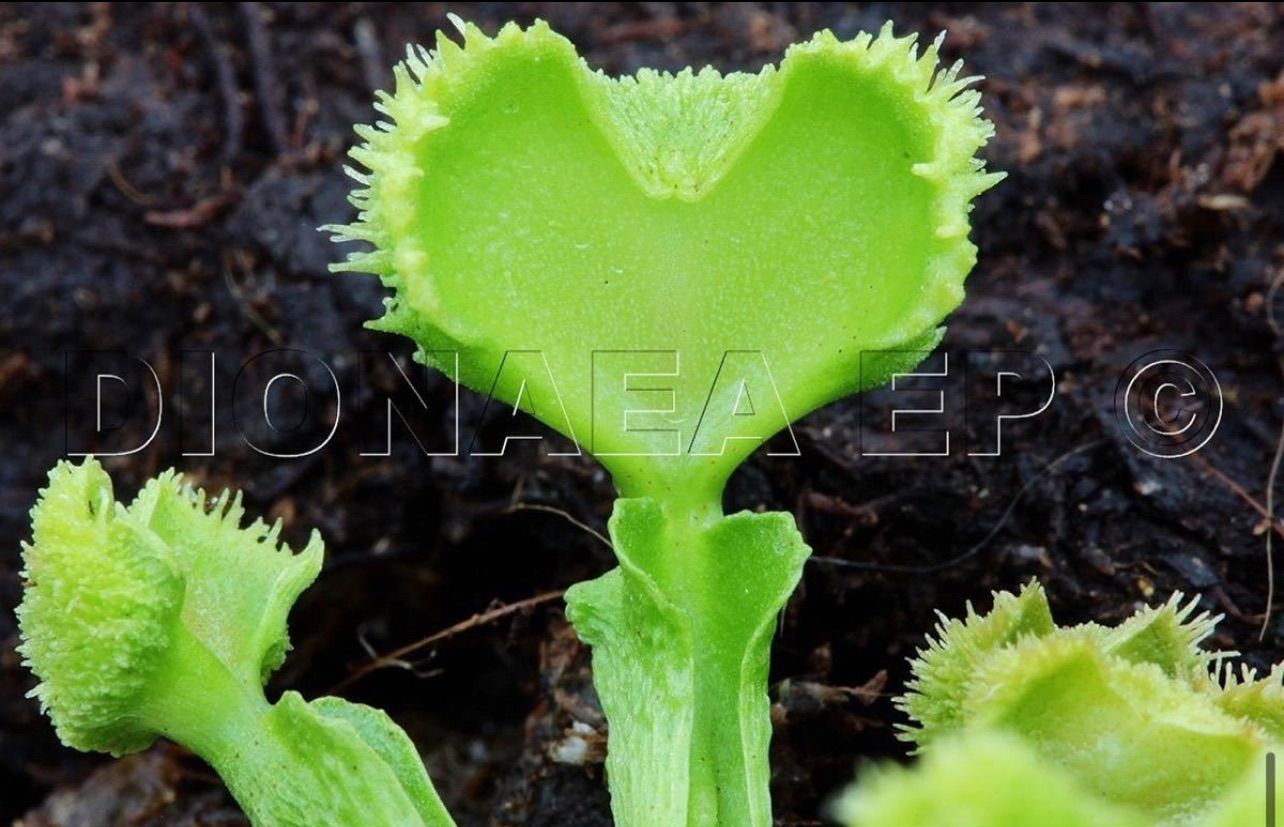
x=986 y=779
x=1260 y=700
x=165 y=618
x=1132 y=725
x=597 y=250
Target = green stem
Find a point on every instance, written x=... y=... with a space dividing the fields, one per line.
x=681 y=634
x=730 y=729
x=197 y=702
x=291 y=764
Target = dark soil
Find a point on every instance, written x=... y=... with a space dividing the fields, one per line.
x=162 y=168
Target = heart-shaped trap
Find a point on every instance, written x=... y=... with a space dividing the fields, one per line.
x=670 y=265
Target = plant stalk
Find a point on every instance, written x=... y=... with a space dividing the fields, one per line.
x=681 y=635
x=291 y=764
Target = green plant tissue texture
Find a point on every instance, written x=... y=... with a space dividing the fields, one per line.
x=683 y=660
x=339 y=765
x=1133 y=724
x=165 y=618
x=98 y=612
x=987 y=779
x=241 y=580
x=711 y=235
x=395 y=749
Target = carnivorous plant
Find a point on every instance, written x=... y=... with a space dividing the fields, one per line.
x=668 y=269
x=165 y=618
x=1021 y=721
